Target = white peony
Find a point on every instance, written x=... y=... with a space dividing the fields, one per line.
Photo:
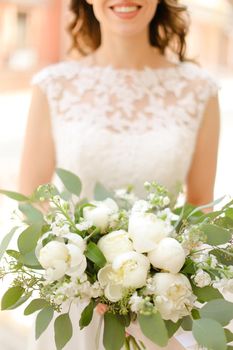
x=101 y=214
x=225 y=285
x=202 y=279
x=128 y=270
x=168 y=255
x=114 y=244
x=59 y=259
x=173 y=295
x=146 y=230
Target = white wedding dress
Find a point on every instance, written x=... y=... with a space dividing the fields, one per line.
x=120 y=127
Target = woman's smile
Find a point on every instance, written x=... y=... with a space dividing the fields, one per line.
x=125 y=10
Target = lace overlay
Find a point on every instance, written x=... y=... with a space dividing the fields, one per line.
x=121 y=126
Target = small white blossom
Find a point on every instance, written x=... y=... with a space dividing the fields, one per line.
x=96 y=290
x=136 y=302
x=140 y=206
x=84 y=225
x=123 y=194
x=202 y=279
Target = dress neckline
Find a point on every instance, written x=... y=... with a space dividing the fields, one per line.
x=111 y=68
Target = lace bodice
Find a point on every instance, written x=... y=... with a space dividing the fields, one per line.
x=125 y=126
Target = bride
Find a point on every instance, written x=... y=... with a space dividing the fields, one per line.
x=122 y=114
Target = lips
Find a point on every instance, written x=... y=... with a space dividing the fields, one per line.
x=126 y=10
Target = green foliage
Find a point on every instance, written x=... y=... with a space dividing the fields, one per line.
x=101 y=193
x=21 y=301
x=224 y=256
x=35 y=305
x=216 y=235
x=63 y=330
x=43 y=193
x=6 y=241
x=87 y=315
x=220 y=310
x=71 y=181
x=229 y=335
x=114 y=332
x=172 y=327
x=11 y=297
x=43 y=320
x=94 y=254
x=15 y=195
x=33 y=215
x=154 y=328
x=209 y=333
x=206 y=293
x=27 y=240
x=187 y=323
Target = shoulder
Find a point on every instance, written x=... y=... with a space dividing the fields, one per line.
x=200 y=78
x=53 y=73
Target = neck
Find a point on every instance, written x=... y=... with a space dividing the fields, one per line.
x=126 y=52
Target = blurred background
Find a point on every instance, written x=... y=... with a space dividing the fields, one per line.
x=33 y=35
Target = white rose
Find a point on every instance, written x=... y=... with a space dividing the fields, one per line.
x=173 y=295
x=146 y=230
x=59 y=259
x=128 y=270
x=202 y=279
x=114 y=244
x=168 y=255
x=100 y=215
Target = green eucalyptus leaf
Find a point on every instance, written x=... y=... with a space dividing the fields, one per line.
x=220 y=310
x=94 y=254
x=207 y=293
x=172 y=327
x=43 y=320
x=21 y=301
x=6 y=241
x=187 y=323
x=27 y=240
x=63 y=330
x=216 y=235
x=209 y=333
x=15 y=195
x=11 y=297
x=101 y=193
x=154 y=328
x=87 y=314
x=35 y=305
x=14 y=254
x=30 y=260
x=33 y=215
x=71 y=181
x=224 y=256
x=114 y=332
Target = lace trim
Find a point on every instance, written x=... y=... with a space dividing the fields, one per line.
x=127 y=100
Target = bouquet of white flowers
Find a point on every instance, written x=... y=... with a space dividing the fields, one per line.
x=145 y=259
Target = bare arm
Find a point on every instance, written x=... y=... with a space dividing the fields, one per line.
x=38 y=157
x=201 y=177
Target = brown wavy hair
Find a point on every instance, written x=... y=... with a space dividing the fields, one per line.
x=167 y=29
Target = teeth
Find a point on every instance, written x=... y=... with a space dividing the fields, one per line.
x=125 y=9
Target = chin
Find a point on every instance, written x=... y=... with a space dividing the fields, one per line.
x=127 y=31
